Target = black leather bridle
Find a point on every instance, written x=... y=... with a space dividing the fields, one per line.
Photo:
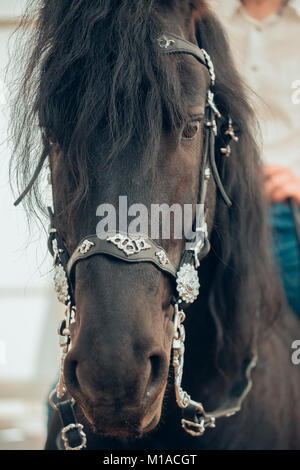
x=138 y=249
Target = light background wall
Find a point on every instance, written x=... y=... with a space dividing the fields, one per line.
x=29 y=311
x=11 y=8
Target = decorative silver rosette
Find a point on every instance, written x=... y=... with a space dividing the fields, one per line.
x=188 y=283
x=61 y=284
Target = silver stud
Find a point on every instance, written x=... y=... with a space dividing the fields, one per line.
x=230 y=131
x=207 y=174
x=226 y=151
x=85 y=247
x=162 y=257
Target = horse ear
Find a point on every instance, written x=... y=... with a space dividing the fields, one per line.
x=198 y=5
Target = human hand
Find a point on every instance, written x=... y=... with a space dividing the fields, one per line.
x=280 y=183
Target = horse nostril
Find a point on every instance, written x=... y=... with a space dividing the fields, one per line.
x=70 y=375
x=157 y=377
x=155 y=368
x=111 y=384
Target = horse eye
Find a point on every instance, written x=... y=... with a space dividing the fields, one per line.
x=191 y=130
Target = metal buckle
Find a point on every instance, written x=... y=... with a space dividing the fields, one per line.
x=192 y=428
x=51 y=399
x=198 y=429
x=52 y=396
x=68 y=428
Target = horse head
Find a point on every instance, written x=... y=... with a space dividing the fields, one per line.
x=125 y=92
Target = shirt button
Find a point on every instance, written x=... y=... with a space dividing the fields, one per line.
x=254 y=68
x=258 y=28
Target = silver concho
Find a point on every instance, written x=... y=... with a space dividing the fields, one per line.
x=61 y=284
x=162 y=257
x=188 y=283
x=85 y=247
x=129 y=245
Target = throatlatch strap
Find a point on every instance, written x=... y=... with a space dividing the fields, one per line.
x=234 y=400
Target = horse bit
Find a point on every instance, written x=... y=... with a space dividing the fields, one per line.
x=137 y=249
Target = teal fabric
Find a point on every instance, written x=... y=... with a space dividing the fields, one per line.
x=286 y=252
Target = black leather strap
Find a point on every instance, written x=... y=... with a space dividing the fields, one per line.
x=213 y=165
x=72 y=433
x=172 y=44
x=233 y=402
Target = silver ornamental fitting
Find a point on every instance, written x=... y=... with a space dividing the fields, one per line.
x=210 y=66
x=162 y=257
x=130 y=245
x=164 y=42
x=64 y=435
x=61 y=284
x=57 y=251
x=85 y=247
x=188 y=283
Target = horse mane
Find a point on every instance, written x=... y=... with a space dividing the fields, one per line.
x=71 y=93
x=246 y=296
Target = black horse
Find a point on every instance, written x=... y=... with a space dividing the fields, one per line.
x=118 y=117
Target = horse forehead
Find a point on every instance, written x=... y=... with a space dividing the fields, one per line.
x=181 y=16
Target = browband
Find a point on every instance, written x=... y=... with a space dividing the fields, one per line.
x=127 y=248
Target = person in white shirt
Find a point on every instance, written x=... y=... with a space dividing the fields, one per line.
x=265 y=42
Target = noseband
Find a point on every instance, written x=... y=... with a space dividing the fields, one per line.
x=136 y=249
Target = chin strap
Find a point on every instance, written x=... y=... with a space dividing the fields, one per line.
x=194 y=417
